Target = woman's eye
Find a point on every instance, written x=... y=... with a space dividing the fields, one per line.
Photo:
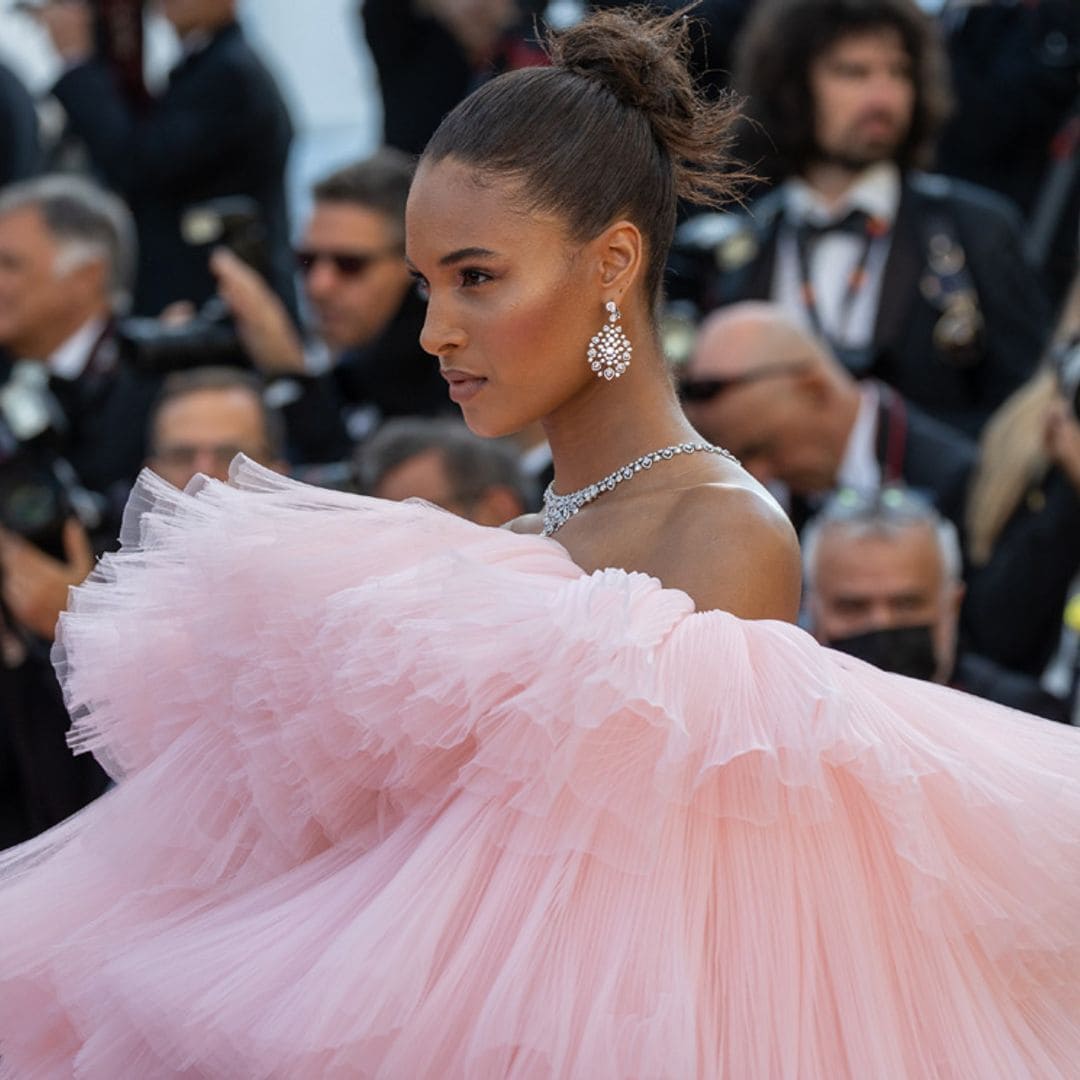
x=472 y=277
x=423 y=290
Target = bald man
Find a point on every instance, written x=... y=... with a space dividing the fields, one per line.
x=769 y=391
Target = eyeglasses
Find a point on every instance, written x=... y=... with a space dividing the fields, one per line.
x=698 y=390
x=348 y=264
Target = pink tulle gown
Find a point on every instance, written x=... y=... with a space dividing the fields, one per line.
x=399 y=796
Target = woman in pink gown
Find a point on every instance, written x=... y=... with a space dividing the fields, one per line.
x=400 y=796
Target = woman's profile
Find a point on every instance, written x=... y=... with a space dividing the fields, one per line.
x=401 y=796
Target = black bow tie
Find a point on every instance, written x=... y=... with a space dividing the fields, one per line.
x=855 y=223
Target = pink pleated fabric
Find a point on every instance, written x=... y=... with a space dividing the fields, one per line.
x=403 y=797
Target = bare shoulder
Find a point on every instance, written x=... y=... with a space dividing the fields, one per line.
x=731 y=547
x=526 y=524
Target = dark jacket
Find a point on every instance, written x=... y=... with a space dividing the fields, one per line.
x=1013 y=605
x=41 y=781
x=389 y=376
x=982 y=677
x=220 y=129
x=20 y=149
x=736 y=261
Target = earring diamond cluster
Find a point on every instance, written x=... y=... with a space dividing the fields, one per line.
x=609 y=348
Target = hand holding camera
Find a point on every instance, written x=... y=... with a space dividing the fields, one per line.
x=262 y=323
x=35 y=585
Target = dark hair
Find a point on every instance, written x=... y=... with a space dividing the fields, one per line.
x=473 y=465
x=783 y=38
x=195 y=380
x=380 y=183
x=614 y=128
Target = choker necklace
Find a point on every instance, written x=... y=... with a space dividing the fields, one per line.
x=559 y=509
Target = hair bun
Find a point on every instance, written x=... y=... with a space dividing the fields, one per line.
x=640 y=57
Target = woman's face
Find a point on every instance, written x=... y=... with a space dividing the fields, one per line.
x=513 y=301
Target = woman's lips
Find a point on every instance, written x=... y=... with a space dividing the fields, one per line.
x=463 y=385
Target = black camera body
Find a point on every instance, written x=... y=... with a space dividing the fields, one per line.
x=1066 y=360
x=208 y=338
x=39 y=489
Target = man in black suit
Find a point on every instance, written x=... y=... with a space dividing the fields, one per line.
x=915 y=279
x=883 y=583
x=67 y=254
x=220 y=128
x=66 y=257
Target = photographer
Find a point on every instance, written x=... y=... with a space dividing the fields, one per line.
x=67 y=251
x=220 y=128
x=71 y=418
x=364 y=362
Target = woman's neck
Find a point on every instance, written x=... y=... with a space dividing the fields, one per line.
x=615 y=422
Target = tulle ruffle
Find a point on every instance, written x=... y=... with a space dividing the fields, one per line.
x=400 y=796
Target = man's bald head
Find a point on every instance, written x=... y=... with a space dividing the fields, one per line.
x=751 y=337
x=761 y=385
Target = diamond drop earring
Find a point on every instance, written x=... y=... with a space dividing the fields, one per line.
x=609 y=348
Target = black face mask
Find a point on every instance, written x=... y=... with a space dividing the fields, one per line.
x=906 y=650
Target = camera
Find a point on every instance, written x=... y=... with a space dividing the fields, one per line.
x=209 y=337
x=1065 y=358
x=39 y=490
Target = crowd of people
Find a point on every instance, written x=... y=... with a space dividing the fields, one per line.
x=393 y=792
x=882 y=339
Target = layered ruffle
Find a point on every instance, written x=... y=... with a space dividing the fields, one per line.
x=400 y=796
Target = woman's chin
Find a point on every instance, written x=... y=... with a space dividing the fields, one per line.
x=488 y=427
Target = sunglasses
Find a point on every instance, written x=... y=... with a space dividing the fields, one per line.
x=698 y=390
x=348 y=264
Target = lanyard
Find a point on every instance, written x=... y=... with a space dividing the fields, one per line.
x=860 y=224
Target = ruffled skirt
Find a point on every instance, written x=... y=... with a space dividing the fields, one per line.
x=399 y=796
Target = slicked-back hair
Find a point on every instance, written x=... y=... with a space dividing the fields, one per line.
x=783 y=38
x=615 y=128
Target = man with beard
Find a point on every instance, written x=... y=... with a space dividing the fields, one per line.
x=916 y=279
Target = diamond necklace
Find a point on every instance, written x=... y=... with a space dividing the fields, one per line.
x=559 y=509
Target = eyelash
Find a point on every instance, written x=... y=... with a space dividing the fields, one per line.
x=470 y=277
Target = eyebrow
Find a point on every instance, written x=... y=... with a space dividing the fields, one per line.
x=466 y=253
x=461 y=255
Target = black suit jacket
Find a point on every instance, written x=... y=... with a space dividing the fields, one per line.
x=221 y=128
x=982 y=677
x=1014 y=604
x=41 y=780
x=1013 y=304
x=918 y=452
x=20 y=149
x=924 y=454
x=391 y=375
x=105 y=412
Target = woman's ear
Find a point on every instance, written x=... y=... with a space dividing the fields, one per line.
x=619 y=257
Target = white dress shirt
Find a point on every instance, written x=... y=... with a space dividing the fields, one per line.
x=835 y=255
